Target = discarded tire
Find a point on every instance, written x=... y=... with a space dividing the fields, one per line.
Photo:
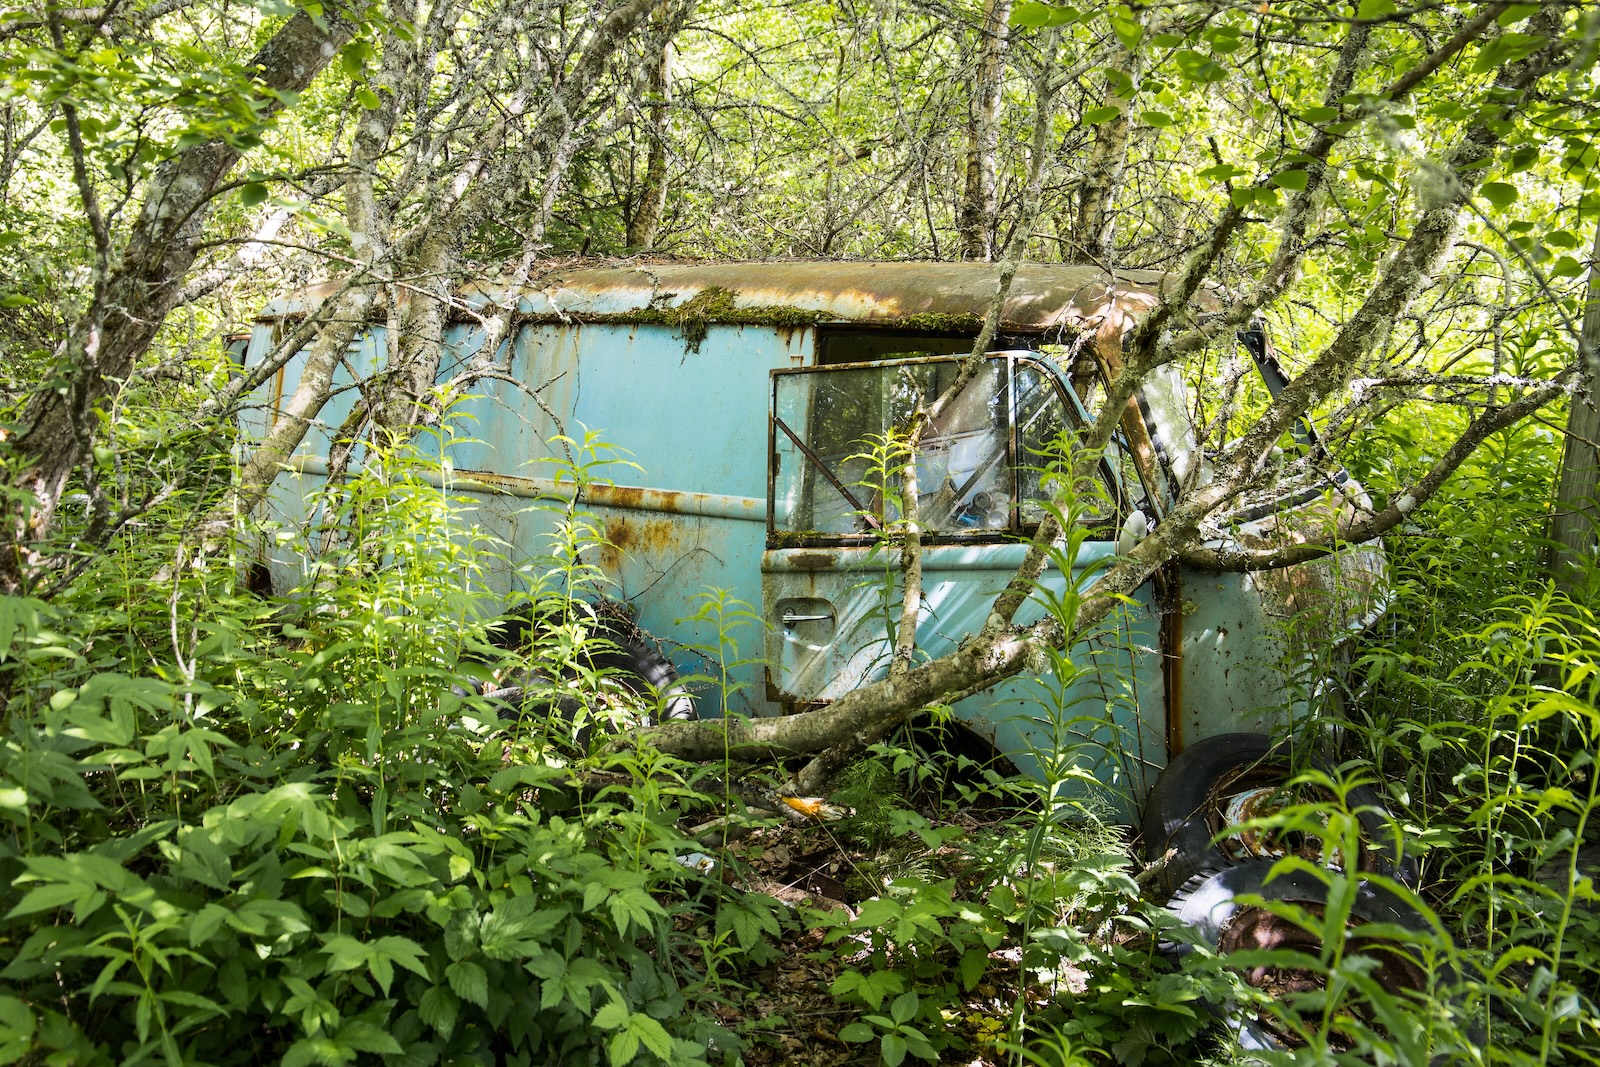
x=1209 y=907
x=618 y=654
x=1224 y=780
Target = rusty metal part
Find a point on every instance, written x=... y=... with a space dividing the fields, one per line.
x=1250 y=793
x=625 y=497
x=1043 y=297
x=1169 y=601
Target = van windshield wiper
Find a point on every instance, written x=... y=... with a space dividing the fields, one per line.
x=816 y=461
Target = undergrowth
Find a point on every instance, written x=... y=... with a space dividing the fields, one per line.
x=240 y=830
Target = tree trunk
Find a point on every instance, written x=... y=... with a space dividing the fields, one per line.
x=1573 y=523
x=1092 y=233
x=646 y=217
x=103 y=346
x=977 y=216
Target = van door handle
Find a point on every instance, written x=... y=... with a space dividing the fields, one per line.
x=790 y=620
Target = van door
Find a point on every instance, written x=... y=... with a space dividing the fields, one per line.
x=831 y=582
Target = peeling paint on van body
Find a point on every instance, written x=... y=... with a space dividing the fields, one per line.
x=694 y=374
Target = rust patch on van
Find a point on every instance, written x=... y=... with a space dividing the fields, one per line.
x=813 y=561
x=649 y=535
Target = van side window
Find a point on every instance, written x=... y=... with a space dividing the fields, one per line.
x=1042 y=419
x=838 y=444
x=838 y=440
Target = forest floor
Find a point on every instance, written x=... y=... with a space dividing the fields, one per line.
x=823 y=872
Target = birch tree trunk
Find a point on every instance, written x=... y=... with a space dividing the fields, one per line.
x=645 y=220
x=1092 y=234
x=976 y=221
x=134 y=290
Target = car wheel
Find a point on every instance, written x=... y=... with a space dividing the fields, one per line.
x=618 y=653
x=1227 y=779
x=1210 y=908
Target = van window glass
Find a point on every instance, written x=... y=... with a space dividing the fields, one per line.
x=1042 y=418
x=836 y=474
x=836 y=470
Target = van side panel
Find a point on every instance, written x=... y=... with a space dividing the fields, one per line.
x=679 y=467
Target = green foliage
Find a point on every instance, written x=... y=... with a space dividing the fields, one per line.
x=310 y=844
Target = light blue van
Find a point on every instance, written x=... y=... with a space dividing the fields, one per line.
x=747 y=395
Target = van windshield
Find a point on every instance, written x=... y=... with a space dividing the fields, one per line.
x=839 y=446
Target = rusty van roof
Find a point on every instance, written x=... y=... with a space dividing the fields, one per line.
x=946 y=297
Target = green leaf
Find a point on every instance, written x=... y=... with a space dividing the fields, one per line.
x=857 y=1032
x=318 y=1050
x=365 y=1037
x=17 y=1026
x=469 y=981
x=624 y=1046
x=1158 y=119
x=1522 y=159
x=368 y=99
x=894 y=1049
x=206 y=922
x=439 y=1008
x=1566 y=267
x=904 y=1008
x=1222 y=172
x=974 y=961
x=252 y=193
x=1128 y=29
x=651 y=1033
x=1097 y=115
x=1507 y=48
x=1294 y=180
x=614 y=1016
x=1516 y=13
x=1198 y=68
x=1032 y=15
x=1375 y=9
x=1500 y=194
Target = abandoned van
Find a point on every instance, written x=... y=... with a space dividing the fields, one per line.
x=747 y=400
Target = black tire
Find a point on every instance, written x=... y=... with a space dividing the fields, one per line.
x=1209 y=907
x=1186 y=810
x=618 y=651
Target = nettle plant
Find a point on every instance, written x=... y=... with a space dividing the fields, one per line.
x=238 y=832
